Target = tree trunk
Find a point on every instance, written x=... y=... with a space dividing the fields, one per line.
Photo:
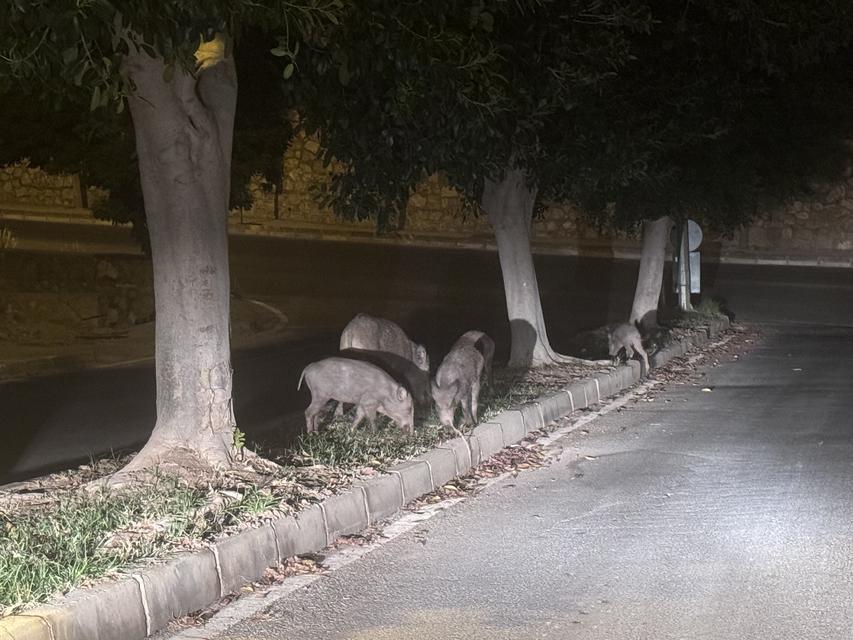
x=509 y=207
x=650 y=278
x=184 y=131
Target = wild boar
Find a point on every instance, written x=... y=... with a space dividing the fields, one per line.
x=626 y=336
x=359 y=383
x=457 y=381
x=367 y=333
x=486 y=346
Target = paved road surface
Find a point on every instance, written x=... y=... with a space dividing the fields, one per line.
x=723 y=515
x=434 y=294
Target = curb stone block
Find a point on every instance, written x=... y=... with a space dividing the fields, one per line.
x=245 y=556
x=555 y=406
x=578 y=392
x=491 y=439
x=605 y=384
x=384 y=496
x=631 y=373
x=313 y=534
x=286 y=536
x=304 y=533
x=531 y=417
x=618 y=377
x=166 y=587
x=346 y=514
x=461 y=453
x=442 y=464
x=571 y=400
x=512 y=425
x=592 y=391
x=416 y=478
x=110 y=612
x=24 y=627
x=476 y=453
x=714 y=328
x=636 y=372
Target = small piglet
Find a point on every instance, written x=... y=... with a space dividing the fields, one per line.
x=626 y=336
x=359 y=383
x=457 y=381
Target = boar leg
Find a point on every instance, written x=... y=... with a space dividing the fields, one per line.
x=364 y=411
x=339 y=409
x=464 y=399
x=475 y=397
x=313 y=411
x=644 y=356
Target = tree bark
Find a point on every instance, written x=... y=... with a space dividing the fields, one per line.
x=644 y=311
x=508 y=205
x=184 y=131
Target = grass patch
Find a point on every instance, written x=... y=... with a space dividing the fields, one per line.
x=48 y=551
x=340 y=446
x=82 y=536
x=707 y=309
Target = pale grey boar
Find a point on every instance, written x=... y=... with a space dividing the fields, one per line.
x=457 y=381
x=626 y=336
x=367 y=333
x=359 y=383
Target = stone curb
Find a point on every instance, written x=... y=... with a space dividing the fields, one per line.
x=140 y=604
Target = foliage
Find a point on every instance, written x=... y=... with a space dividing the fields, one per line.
x=727 y=105
x=398 y=91
x=47 y=552
x=61 y=67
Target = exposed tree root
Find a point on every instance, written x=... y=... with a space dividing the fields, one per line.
x=190 y=466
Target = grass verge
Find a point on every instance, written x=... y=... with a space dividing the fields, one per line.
x=57 y=535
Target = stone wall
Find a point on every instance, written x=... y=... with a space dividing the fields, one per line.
x=821 y=226
x=21 y=184
x=817 y=229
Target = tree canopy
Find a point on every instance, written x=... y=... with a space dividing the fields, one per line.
x=728 y=106
x=65 y=112
x=398 y=91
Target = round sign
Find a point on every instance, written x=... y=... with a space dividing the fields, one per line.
x=694 y=235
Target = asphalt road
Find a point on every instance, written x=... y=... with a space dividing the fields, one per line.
x=434 y=294
x=723 y=515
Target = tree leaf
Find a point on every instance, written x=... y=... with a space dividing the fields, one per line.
x=288 y=71
x=96 y=98
x=280 y=52
x=69 y=55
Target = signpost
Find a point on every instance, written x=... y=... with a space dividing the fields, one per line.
x=687 y=271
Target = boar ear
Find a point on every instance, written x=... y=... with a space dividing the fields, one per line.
x=402 y=394
x=420 y=355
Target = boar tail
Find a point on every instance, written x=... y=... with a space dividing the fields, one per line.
x=301 y=377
